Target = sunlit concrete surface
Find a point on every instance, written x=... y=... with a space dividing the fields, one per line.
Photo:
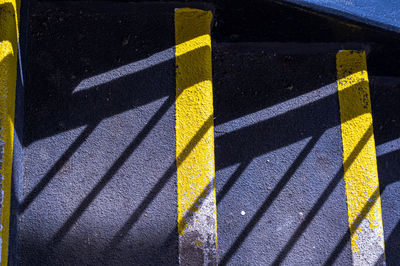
x=100 y=174
x=385 y=109
x=284 y=170
x=100 y=167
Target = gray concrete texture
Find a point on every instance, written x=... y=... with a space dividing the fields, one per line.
x=385 y=95
x=100 y=177
x=99 y=185
x=283 y=167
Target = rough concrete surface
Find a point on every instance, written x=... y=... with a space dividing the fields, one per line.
x=100 y=177
x=284 y=170
x=385 y=94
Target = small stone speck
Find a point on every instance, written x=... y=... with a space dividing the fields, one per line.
x=125 y=41
x=289 y=88
x=243 y=213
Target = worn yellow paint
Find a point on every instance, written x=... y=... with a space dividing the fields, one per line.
x=9 y=21
x=359 y=156
x=194 y=111
x=195 y=43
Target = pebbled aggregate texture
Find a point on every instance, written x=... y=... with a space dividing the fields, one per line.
x=100 y=174
x=76 y=130
x=385 y=94
x=284 y=172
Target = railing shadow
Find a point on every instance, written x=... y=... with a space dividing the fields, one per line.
x=65 y=109
x=268 y=201
x=353 y=227
x=324 y=197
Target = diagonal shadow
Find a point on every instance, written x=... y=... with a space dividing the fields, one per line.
x=118 y=237
x=56 y=167
x=151 y=195
x=157 y=188
x=88 y=106
x=270 y=199
x=128 y=151
x=82 y=96
x=390 y=242
x=138 y=94
x=140 y=97
x=323 y=198
x=250 y=144
x=111 y=172
x=251 y=152
x=97 y=103
x=174 y=233
x=231 y=181
x=352 y=229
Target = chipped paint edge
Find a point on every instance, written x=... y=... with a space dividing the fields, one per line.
x=197 y=215
x=360 y=171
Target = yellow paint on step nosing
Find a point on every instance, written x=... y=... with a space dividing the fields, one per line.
x=360 y=172
x=352 y=79
x=6 y=49
x=193 y=44
x=195 y=134
x=9 y=21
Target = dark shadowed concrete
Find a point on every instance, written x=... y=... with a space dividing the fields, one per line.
x=279 y=179
x=100 y=182
x=99 y=186
x=385 y=96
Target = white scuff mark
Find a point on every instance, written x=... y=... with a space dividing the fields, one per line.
x=200 y=234
x=370 y=240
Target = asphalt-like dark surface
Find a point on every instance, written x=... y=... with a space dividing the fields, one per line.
x=100 y=177
x=100 y=180
x=385 y=95
x=281 y=164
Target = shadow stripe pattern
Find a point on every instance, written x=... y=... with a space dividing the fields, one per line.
x=197 y=217
x=361 y=177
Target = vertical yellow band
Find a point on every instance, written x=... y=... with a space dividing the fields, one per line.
x=9 y=13
x=359 y=159
x=195 y=134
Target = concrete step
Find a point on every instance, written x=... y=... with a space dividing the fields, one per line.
x=100 y=140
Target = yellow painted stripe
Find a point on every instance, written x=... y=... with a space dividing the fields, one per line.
x=9 y=21
x=195 y=136
x=360 y=166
